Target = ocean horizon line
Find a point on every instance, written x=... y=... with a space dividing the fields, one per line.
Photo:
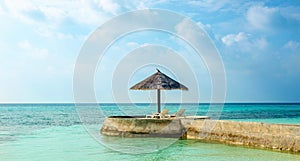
x=143 y=103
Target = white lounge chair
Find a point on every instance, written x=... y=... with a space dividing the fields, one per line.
x=162 y=114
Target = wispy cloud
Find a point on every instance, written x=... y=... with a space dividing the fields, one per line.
x=210 y=5
x=109 y=6
x=261 y=17
x=55 y=15
x=274 y=19
x=234 y=38
x=292 y=45
x=245 y=43
x=291 y=12
x=22 y=10
x=33 y=52
x=141 y=4
x=254 y=38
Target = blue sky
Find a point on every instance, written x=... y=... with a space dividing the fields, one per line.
x=259 y=42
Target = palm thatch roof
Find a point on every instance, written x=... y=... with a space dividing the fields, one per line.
x=158 y=81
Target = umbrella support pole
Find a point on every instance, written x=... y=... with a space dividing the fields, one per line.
x=158 y=100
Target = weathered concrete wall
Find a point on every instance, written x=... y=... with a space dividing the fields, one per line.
x=270 y=136
x=141 y=127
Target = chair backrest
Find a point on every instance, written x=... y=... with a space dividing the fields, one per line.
x=180 y=112
x=164 y=112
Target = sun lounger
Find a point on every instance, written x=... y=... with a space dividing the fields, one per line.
x=162 y=114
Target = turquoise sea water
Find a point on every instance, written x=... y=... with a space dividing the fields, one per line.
x=55 y=132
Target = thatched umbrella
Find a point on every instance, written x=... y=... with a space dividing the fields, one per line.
x=158 y=81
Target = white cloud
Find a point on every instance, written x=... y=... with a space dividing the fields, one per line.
x=188 y=30
x=260 y=17
x=141 y=4
x=24 y=44
x=291 y=12
x=53 y=16
x=87 y=14
x=243 y=42
x=54 y=12
x=19 y=8
x=230 y=39
x=145 y=44
x=36 y=53
x=109 y=6
x=48 y=33
x=204 y=26
x=132 y=44
x=292 y=45
x=210 y=5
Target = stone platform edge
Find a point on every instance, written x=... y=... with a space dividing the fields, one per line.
x=280 y=137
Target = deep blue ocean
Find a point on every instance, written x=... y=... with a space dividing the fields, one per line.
x=57 y=132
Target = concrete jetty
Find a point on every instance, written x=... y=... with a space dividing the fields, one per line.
x=280 y=137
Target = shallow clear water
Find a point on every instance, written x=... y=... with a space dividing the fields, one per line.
x=55 y=132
